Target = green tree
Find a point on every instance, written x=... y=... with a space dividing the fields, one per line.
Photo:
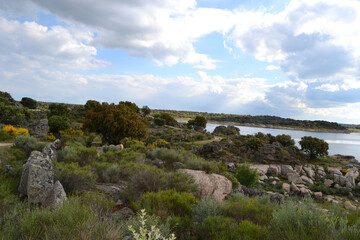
x=131 y=106
x=199 y=121
x=90 y=104
x=285 y=140
x=169 y=120
x=246 y=175
x=13 y=115
x=145 y=110
x=59 y=109
x=57 y=123
x=254 y=143
x=314 y=146
x=28 y=102
x=114 y=122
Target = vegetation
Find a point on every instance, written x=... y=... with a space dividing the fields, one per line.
x=28 y=102
x=314 y=147
x=246 y=175
x=199 y=121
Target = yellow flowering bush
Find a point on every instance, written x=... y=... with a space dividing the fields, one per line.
x=72 y=132
x=15 y=131
x=344 y=170
x=160 y=143
x=51 y=137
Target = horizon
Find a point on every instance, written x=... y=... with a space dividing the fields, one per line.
x=292 y=59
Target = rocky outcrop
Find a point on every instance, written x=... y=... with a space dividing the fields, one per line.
x=39 y=128
x=37 y=178
x=349 y=206
x=210 y=185
x=50 y=150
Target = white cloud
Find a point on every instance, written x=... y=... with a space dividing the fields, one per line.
x=328 y=87
x=272 y=67
x=30 y=45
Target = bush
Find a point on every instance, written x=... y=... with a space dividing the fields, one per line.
x=145 y=233
x=28 y=143
x=314 y=147
x=285 y=140
x=251 y=210
x=247 y=176
x=207 y=208
x=15 y=131
x=73 y=177
x=169 y=202
x=58 y=123
x=169 y=156
x=218 y=228
x=28 y=102
x=302 y=221
x=250 y=231
x=254 y=143
x=69 y=221
x=4 y=136
x=59 y=109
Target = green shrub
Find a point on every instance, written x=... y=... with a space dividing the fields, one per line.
x=233 y=179
x=4 y=136
x=206 y=208
x=28 y=143
x=218 y=228
x=285 y=140
x=247 y=176
x=58 y=123
x=252 y=210
x=73 y=177
x=302 y=221
x=250 y=231
x=169 y=202
x=70 y=221
x=28 y=102
x=254 y=143
x=169 y=156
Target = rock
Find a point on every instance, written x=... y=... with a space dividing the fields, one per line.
x=351 y=196
x=334 y=170
x=286 y=187
x=50 y=150
x=358 y=184
x=39 y=128
x=298 y=169
x=115 y=191
x=56 y=196
x=158 y=163
x=320 y=172
x=309 y=171
x=120 y=146
x=285 y=169
x=342 y=180
x=318 y=195
x=328 y=182
x=307 y=179
x=336 y=186
x=267 y=149
x=294 y=188
x=123 y=214
x=274 y=170
x=273 y=182
x=351 y=175
x=274 y=197
x=349 y=206
x=178 y=165
x=305 y=192
x=262 y=169
x=8 y=168
x=210 y=185
x=294 y=178
x=263 y=177
x=37 y=178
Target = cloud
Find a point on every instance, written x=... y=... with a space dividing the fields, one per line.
x=162 y=30
x=328 y=87
x=30 y=45
x=272 y=67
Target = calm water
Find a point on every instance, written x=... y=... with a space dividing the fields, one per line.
x=339 y=143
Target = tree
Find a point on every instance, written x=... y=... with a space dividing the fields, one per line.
x=131 y=105
x=13 y=115
x=114 y=122
x=57 y=123
x=146 y=110
x=199 y=121
x=90 y=104
x=59 y=109
x=314 y=146
x=169 y=120
x=285 y=140
x=246 y=175
x=28 y=102
x=254 y=143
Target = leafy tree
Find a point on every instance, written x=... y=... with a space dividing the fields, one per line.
x=114 y=122
x=57 y=123
x=285 y=140
x=146 y=110
x=246 y=175
x=7 y=96
x=199 y=121
x=169 y=120
x=314 y=146
x=90 y=104
x=13 y=115
x=28 y=102
x=59 y=109
x=254 y=143
x=131 y=105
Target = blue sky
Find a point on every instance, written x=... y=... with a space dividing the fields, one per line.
x=297 y=59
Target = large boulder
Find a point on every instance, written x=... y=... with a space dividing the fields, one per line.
x=210 y=185
x=50 y=150
x=56 y=196
x=294 y=178
x=274 y=170
x=262 y=169
x=309 y=170
x=37 y=178
x=39 y=128
x=285 y=169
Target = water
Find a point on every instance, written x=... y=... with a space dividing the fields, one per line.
x=339 y=143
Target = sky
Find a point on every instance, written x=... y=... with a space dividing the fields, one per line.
x=289 y=58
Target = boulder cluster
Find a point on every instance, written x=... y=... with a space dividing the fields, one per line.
x=37 y=179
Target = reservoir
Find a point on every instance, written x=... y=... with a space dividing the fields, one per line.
x=339 y=143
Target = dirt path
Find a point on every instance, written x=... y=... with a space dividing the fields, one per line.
x=5 y=144
x=215 y=139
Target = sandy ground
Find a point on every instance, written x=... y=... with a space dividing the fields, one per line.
x=5 y=144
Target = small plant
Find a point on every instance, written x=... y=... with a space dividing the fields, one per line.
x=146 y=234
x=247 y=176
